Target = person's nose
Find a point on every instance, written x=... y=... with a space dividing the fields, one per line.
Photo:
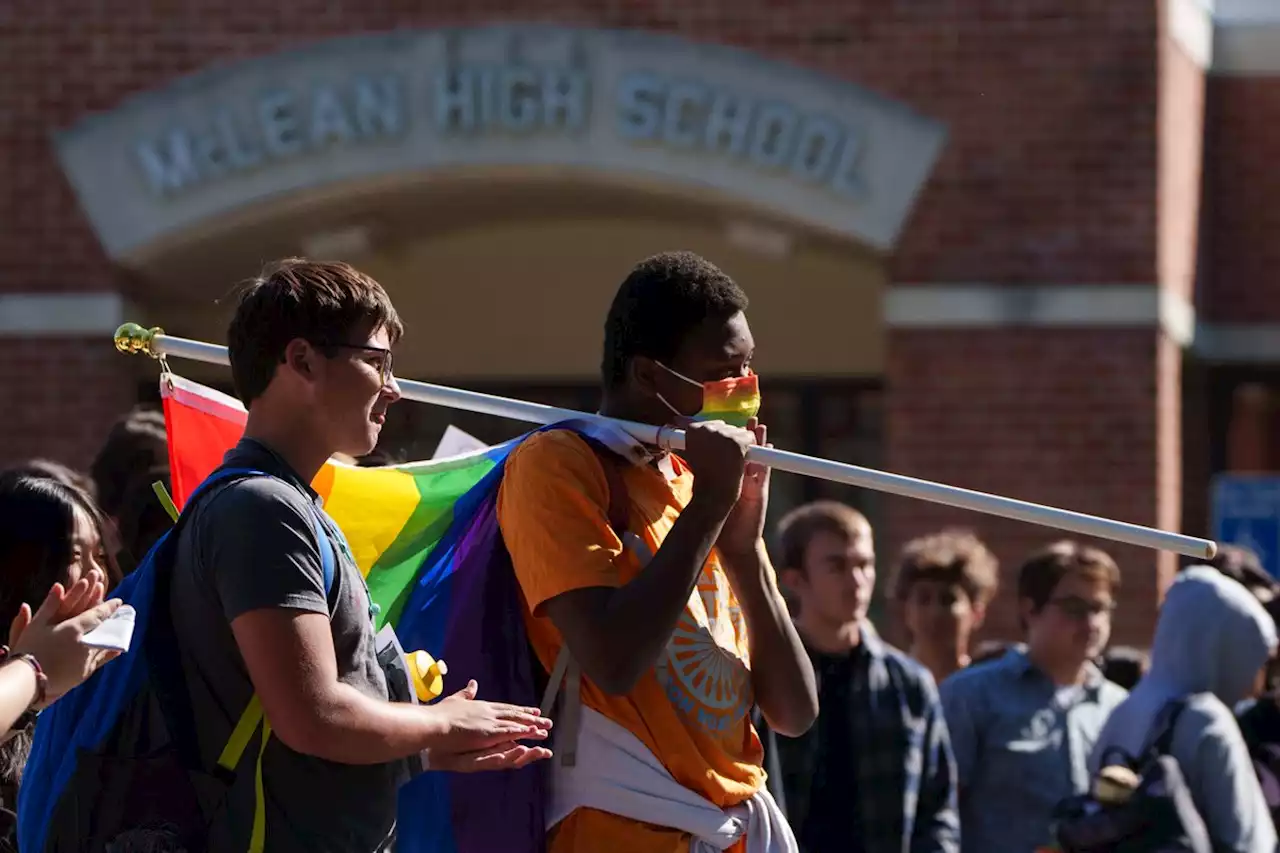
x=392 y=389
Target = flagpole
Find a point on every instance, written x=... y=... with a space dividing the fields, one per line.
x=132 y=338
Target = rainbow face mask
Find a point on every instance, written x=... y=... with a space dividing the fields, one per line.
x=735 y=400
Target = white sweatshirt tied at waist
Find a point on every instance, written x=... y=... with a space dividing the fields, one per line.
x=614 y=772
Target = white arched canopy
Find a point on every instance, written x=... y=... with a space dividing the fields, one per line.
x=375 y=111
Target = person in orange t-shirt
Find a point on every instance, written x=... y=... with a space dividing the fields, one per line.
x=676 y=647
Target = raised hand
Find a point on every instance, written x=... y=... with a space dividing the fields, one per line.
x=476 y=726
x=717 y=453
x=52 y=633
x=744 y=527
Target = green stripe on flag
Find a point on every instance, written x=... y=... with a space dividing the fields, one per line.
x=391 y=578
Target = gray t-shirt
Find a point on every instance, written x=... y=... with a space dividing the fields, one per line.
x=251 y=544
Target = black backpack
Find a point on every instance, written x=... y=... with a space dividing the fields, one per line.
x=1260 y=725
x=1159 y=815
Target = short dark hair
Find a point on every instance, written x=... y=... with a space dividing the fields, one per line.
x=798 y=527
x=137 y=442
x=1041 y=573
x=1242 y=565
x=952 y=557
x=1125 y=665
x=664 y=298
x=142 y=519
x=41 y=467
x=321 y=302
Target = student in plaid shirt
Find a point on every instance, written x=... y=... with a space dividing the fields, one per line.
x=875 y=773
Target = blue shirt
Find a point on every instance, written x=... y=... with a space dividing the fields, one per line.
x=1021 y=745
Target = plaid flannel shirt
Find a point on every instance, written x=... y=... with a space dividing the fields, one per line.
x=906 y=773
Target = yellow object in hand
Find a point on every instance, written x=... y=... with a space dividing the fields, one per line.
x=428 y=675
x=1115 y=784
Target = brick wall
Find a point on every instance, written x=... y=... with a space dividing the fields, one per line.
x=1048 y=176
x=60 y=397
x=1064 y=417
x=1243 y=183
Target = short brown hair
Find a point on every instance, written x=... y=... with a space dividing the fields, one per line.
x=799 y=526
x=322 y=302
x=952 y=557
x=1041 y=573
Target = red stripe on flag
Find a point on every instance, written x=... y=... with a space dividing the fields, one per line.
x=201 y=430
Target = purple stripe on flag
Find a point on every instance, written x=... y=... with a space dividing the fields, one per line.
x=485 y=640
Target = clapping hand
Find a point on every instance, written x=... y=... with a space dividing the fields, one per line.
x=53 y=632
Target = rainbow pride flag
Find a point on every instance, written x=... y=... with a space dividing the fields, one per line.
x=392 y=517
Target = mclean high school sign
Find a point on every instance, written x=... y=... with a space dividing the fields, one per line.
x=822 y=152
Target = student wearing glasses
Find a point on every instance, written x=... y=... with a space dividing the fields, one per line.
x=310 y=351
x=1022 y=727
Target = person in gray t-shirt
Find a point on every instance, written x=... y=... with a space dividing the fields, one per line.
x=310 y=357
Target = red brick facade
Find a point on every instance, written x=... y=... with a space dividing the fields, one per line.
x=1242 y=184
x=1051 y=175
x=1066 y=418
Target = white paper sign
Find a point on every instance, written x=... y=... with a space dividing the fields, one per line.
x=115 y=632
x=455 y=442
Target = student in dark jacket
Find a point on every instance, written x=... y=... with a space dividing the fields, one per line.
x=875 y=773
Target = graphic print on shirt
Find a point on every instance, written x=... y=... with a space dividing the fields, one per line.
x=705 y=668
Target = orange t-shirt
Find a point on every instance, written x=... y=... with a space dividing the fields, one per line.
x=692 y=709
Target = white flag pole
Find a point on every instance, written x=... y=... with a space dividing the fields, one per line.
x=133 y=338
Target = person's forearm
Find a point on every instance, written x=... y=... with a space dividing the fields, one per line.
x=781 y=672
x=17 y=691
x=348 y=727
x=639 y=618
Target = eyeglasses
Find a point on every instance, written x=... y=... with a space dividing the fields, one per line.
x=384 y=362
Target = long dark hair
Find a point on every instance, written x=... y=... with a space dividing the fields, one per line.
x=37 y=519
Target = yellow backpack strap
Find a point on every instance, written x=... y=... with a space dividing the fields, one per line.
x=249 y=722
x=240 y=736
x=258 y=838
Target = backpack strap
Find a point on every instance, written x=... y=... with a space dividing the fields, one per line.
x=566 y=671
x=253 y=716
x=162 y=648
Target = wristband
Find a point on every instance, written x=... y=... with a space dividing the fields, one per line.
x=42 y=681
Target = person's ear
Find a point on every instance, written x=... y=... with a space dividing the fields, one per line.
x=979 y=614
x=642 y=373
x=1026 y=612
x=301 y=358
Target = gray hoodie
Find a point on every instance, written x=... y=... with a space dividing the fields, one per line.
x=1211 y=639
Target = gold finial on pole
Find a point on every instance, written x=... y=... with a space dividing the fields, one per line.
x=132 y=338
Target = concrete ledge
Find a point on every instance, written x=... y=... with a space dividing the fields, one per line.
x=989 y=306
x=24 y=315
x=1238 y=343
